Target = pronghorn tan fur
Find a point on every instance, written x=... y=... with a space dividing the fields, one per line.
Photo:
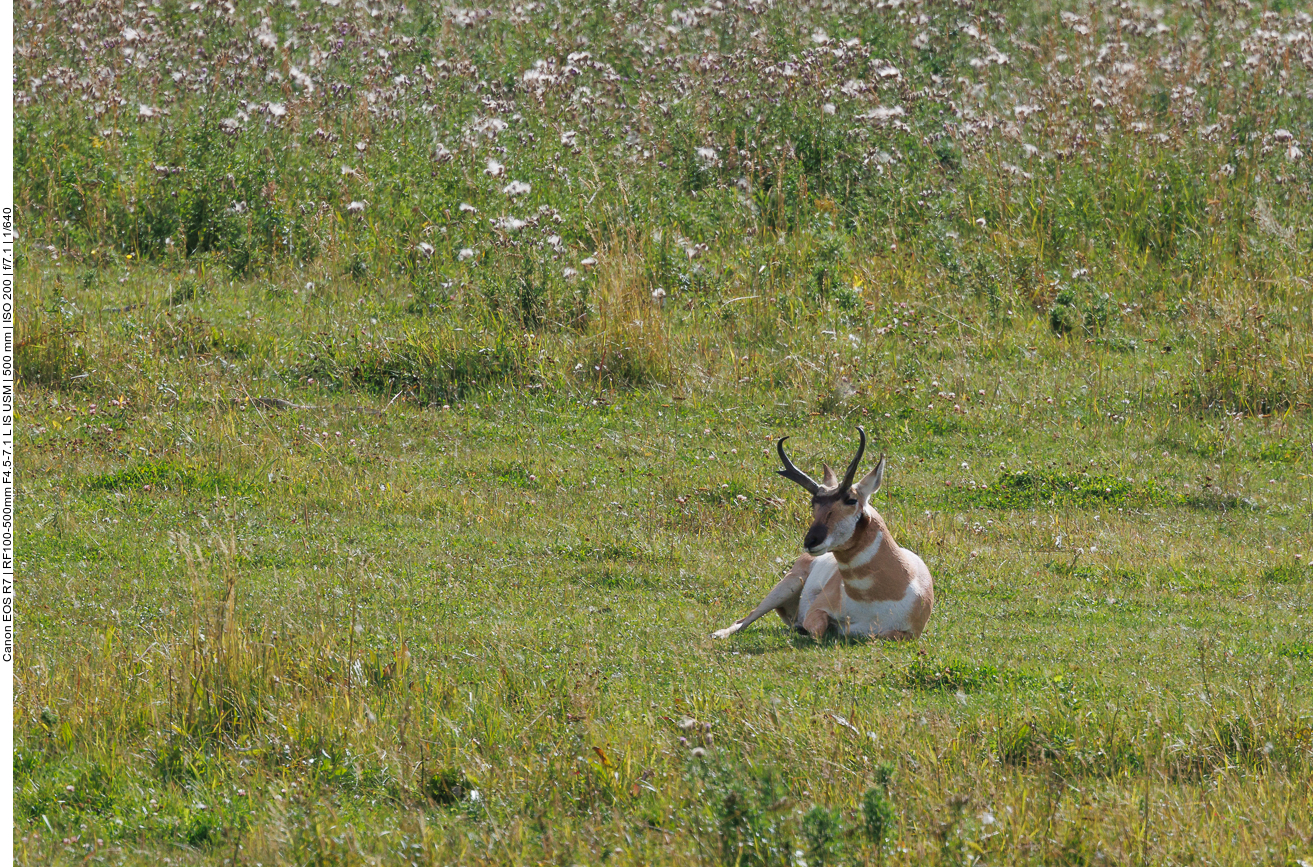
x=854 y=578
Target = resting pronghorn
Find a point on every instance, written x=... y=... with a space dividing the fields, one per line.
x=854 y=577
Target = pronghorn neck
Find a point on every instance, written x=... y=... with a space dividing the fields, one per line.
x=870 y=544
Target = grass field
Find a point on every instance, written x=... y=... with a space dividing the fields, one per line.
x=398 y=388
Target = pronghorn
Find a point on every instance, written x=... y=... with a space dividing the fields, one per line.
x=854 y=577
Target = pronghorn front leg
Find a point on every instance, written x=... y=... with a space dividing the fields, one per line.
x=783 y=597
x=817 y=622
x=825 y=609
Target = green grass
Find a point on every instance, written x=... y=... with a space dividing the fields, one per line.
x=165 y=475
x=360 y=527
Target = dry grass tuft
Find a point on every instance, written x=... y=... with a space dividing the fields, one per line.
x=627 y=343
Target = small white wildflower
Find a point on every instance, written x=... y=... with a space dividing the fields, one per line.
x=131 y=35
x=707 y=155
x=362 y=146
x=300 y=79
x=568 y=137
x=1227 y=170
x=277 y=109
x=820 y=37
x=659 y=296
x=494 y=169
x=465 y=253
x=146 y=111
x=922 y=41
x=265 y=36
x=1030 y=150
x=980 y=221
x=516 y=188
x=425 y=250
x=356 y=208
x=1283 y=135
x=589 y=262
x=467 y=208
x=441 y=154
x=828 y=108
x=509 y=224
x=487 y=127
x=886 y=70
x=569 y=273
x=1293 y=153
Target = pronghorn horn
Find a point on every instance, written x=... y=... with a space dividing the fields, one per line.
x=852 y=468
x=794 y=474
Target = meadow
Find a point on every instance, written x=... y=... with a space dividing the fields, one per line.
x=398 y=388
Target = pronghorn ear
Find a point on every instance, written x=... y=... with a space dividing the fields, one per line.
x=871 y=482
x=831 y=478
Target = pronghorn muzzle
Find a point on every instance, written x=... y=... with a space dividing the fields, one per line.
x=816 y=535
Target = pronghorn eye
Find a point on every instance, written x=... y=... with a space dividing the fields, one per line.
x=850 y=502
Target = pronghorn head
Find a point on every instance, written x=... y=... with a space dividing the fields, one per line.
x=837 y=504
